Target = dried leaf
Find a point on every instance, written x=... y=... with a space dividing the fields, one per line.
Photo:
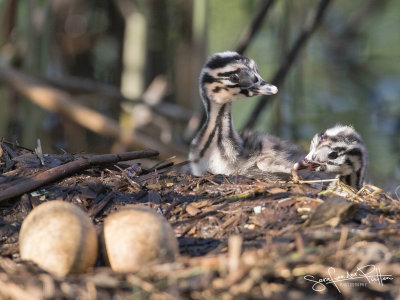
x=191 y=210
x=276 y=190
x=333 y=212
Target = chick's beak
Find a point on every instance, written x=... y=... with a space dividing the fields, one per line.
x=306 y=165
x=264 y=88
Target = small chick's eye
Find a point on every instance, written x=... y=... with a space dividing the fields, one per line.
x=322 y=137
x=333 y=155
x=234 y=78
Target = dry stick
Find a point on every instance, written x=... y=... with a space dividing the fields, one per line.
x=341 y=44
x=311 y=24
x=299 y=243
x=57 y=101
x=343 y=238
x=157 y=172
x=251 y=31
x=9 y=13
x=235 y=243
x=45 y=177
x=97 y=208
x=360 y=16
x=85 y=85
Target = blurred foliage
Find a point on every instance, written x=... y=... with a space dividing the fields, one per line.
x=349 y=78
x=348 y=73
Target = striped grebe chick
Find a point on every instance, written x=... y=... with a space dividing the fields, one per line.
x=339 y=150
x=218 y=148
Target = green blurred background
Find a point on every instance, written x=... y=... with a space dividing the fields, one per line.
x=137 y=63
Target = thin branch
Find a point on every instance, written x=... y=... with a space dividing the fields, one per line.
x=8 y=22
x=98 y=207
x=251 y=31
x=85 y=85
x=32 y=183
x=57 y=101
x=361 y=15
x=340 y=51
x=313 y=19
x=338 y=41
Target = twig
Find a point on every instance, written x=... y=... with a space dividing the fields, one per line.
x=234 y=252
x=174 y=203
x=157 y=172
x=9 y=151
x=38 y=180
x=86 y=85
x=163 y=164
x=355 y=23
x=299 y=243
x=312 y=21
x=396 y=192
x=343 y=238
x=39 y=152
x=58 y=101
x=251 y=31
x=318 y=180
x=376 y=190
x=10 y=154
x=97 y=208
x=128 y=177
x=8 y=20
x=15 y=145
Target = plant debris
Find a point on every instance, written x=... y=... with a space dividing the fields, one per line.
x=239 y=238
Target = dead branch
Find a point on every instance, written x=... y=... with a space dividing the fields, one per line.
x=45 y=177
x=153 y=95
x=312 y=22
x=58 y=101
x=252 y=30
x=8 y=20
x=97 y=208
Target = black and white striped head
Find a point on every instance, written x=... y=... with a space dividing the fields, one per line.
x=339 y=150
x=229 y=76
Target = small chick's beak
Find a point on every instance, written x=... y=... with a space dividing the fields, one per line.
x=306 y=165
x=265 y=88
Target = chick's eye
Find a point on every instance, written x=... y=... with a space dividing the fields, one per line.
x=234 y=78
x=332 y=155
x=321 y=136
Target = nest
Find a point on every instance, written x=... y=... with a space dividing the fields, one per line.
x=239 y=238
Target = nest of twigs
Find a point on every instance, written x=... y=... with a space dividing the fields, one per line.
x=239 y=238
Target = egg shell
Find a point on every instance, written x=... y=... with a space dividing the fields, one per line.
x=135 y=237
x=59 y=237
